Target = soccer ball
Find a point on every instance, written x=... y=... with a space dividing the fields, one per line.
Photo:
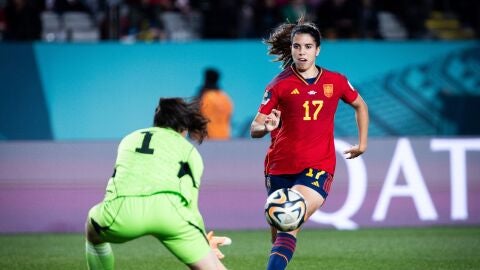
x=285 y=209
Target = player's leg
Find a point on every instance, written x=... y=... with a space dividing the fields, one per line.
x=275 y=182
x=98 y=253
x=286 y=242
x=283 y=244
x=116 y=221
x=210 y=261
x=181 y=230
x=313 y=200
x=191 y=247
x=273 y=233
x=313 y=185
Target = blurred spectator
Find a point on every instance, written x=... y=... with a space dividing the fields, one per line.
x=410 y=13
x=455 y=19
x=2 y=21
x=339 y=18
x=143 y=21
x=293 y=10
x=230 y=19
x=469 y=14
x=266 y=16
x=220 y=20
x=216 y=106
x=62 y=6
x=246 y=27
x=22 y=21
x=369 y=20
x=181 y=22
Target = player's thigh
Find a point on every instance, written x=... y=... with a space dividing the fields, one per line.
x=318 y=180
x=99 y=222
x=276 y=182
x=312 y=198
x=119 y=220
x=190 y=246
x=314 y=185
x=93 y=236
x=183 y=236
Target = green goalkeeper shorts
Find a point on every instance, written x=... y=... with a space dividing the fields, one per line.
x=161 y=215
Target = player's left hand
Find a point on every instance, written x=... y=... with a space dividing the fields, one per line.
x=272 y=120
x=353 y=152
x=216 y=241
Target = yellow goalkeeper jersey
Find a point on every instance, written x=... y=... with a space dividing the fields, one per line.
x=155 y=160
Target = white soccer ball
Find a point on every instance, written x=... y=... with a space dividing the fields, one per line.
x=285 y=209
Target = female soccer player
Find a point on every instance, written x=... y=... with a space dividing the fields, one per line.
x=154 y=191
x=305 y=97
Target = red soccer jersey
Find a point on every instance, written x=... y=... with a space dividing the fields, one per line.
x=305 y=139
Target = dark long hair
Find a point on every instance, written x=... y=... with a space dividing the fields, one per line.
x=180 y=115
x=280 y=40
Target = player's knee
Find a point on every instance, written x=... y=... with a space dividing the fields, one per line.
x=87 y=228
x=91 y=234
x=312 y=198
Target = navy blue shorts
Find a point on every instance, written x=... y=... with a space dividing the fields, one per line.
x=318 y=180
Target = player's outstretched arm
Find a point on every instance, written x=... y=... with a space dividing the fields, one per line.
x=361 y=115
x=262 y=124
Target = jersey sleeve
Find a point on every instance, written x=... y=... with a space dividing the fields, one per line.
x=349 y=92
x=269 y=101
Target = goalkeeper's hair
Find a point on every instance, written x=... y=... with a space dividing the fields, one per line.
x=180 y=115
x=280 y=40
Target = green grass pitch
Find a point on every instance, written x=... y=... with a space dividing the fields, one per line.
x=398 y=248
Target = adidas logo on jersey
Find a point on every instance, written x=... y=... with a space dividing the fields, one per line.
x=295 y=92
x=315 y=183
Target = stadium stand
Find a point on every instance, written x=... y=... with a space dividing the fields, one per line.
x=191 y=20
x=411 y=101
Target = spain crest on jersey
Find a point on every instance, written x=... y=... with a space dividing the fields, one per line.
x=328 y=89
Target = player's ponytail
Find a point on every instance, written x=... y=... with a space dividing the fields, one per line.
x=280 y=40
x=279 y=43
x=179 y=115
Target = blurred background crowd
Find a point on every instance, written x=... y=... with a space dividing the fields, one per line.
x=183 y=20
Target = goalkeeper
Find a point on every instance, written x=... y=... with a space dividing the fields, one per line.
x=154 y=191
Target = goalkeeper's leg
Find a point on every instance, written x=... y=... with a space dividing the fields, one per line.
x=208 y=262
x=99 y=254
